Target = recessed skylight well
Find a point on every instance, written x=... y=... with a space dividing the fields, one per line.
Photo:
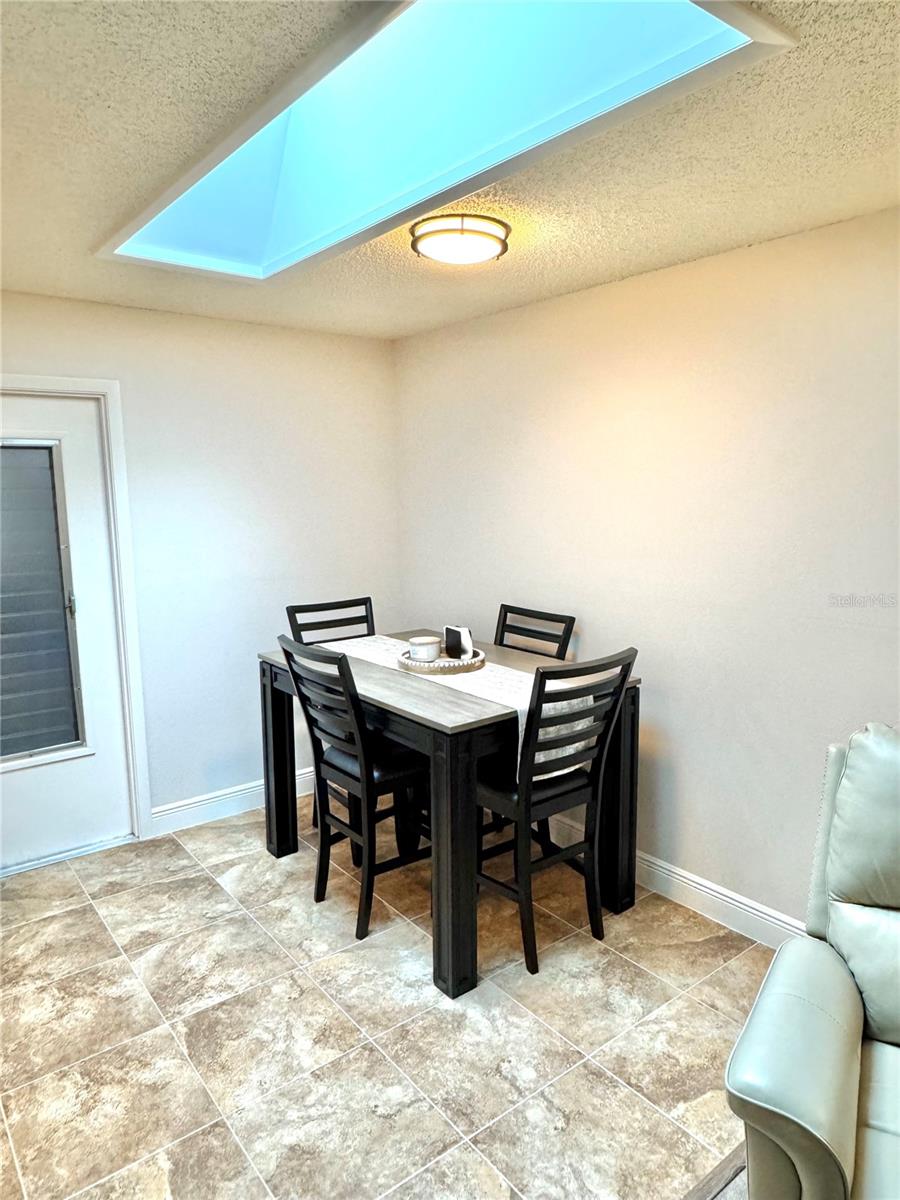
x=443 y=98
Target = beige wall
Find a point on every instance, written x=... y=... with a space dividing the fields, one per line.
x=261 y=469
x=693 y=461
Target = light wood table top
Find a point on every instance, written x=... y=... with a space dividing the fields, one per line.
x=429 y=703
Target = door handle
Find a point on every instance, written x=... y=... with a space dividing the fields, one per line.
x=70 y=605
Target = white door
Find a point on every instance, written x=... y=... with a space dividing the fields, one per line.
x=63 y=758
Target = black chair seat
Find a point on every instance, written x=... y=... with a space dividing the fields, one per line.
x=504 y=798
x=390 y=763
x=573 y=741
x=354 y=767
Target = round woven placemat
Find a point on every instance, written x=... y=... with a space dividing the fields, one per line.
x=442 y=665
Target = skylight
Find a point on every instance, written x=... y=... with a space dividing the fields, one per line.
x=445 y=96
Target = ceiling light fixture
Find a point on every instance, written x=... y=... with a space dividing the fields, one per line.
x=373 y=131
x=461 y=239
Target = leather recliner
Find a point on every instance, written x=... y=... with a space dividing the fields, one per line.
x=815 y=1074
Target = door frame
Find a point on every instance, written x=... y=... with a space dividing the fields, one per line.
x=104 y=393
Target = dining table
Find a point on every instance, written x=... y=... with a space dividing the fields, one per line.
x=455 y=729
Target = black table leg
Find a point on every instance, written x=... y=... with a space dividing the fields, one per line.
x=454 y=893
x=618 y=808
x=279 y=771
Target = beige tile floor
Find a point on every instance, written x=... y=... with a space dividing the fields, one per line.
x=178 y=1019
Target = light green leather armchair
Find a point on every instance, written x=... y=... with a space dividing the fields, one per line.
x=815 y=1075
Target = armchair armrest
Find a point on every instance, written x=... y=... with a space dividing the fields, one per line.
x=793 y=1075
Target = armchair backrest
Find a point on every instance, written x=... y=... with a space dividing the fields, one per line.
x=855 y=897
x=817 y=908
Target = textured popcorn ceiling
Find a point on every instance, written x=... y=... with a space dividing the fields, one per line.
x=105 y=104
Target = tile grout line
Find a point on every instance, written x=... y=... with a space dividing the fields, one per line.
x=662 y=978
x=727 y=963
x=418 y=1171
x=8 y=927
x=427 y=912
x=541 y=1021
x=619 y=1033
x=391 y=1028
x=609 y=1071
x=585 y=929
x=640 y=1021
x=400 y=1071
x=589 y=1056
x=202 y=1008
x=168 y=878
x=12 y=1150
x=134 y=1036
x=176 y=877
x=524 y=1099
x=247 y=909
x=680 y=992
x=299 y=966
x=134 y=952
x=635 y=963
x=294 y=970
x=243 y=908
x=516 y=1194
x=240 y=907
x=515 y=1191
x=79 y=1061
x=370 y=1039
x=584 y=1059
x=469 y=1137
x=603 y=1045
x=693 y=1136
x=144 y=1158
x=710 y=1008
x=183 y=1054
x=174 y=937
x=41 y=984
x=367 y=1039
x=267 y=1095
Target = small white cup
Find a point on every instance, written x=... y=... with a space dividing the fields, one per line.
x=425 y=649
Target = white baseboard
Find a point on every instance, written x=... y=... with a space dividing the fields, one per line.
x=737 y=912
x=226 y=802
x=168 y=818
x=78 y=852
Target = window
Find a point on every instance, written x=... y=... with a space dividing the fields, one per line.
x=40 y=705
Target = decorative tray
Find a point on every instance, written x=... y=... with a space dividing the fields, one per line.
x=442 y=665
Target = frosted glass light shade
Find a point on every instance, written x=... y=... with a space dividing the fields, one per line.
x=461 y=239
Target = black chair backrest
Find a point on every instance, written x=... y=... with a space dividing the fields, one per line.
x=554 y=631
x=327 y=693
x=571 y=715
x=331 y=621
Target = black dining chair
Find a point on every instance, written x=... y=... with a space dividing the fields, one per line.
x=553 y=641
x=364 y=764
x=553 y=634
x=331 y=621
x=571 y=716
x=346 y=619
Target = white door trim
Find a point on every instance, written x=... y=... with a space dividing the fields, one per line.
x=105 y=394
